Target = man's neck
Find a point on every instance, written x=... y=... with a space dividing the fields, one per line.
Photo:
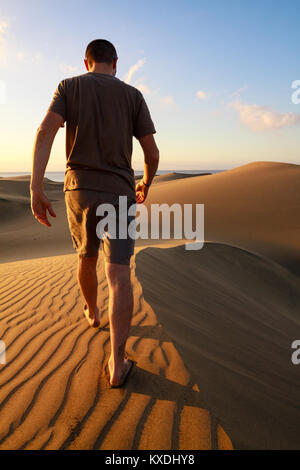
x=104 y=70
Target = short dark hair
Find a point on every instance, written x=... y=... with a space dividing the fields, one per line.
x=101 y=50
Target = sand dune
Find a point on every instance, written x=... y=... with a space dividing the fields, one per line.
x=211 y=331
x=18 y=228
x=232 y=316
x=53 y=393
x=253 y=207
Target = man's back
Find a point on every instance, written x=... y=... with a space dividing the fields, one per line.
x=102 y=114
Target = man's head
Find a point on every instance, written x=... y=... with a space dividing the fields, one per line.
x=101 y=55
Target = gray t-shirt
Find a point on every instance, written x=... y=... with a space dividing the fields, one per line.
x=102 y=114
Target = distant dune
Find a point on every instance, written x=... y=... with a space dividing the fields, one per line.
x=211 y=332
x=254 y=207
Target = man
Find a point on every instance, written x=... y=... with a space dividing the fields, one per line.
x=102 y=114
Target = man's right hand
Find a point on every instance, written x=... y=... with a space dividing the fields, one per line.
x=141 y=191
x=40 y=204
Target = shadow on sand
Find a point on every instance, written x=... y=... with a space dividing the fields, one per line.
x=232 y=316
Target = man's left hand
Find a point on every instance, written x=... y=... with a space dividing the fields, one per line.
x=141 y=192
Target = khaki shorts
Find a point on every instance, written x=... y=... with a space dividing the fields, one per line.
x=81 y=207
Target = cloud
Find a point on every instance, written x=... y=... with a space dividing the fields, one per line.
x=201 y=95
x=143 y=88
x=26 y=58
x=5 y=32
x=2 y=92
x=236 y=94
x=167 y=101
x=261 y=118
x=68 y=69
x=134 y=68
x=37 y=57
x=4 y=26
x=21 y=57
x=140 y=83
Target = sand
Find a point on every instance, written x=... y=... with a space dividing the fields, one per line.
x=211 y=332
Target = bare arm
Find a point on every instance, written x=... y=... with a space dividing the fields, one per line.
x=41 y=152
x=151 y=156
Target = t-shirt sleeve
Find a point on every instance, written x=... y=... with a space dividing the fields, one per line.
x=59 y=102
x=143 y=124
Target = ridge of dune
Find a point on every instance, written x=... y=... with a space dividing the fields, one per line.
x=173 y=176
x=260 y=164
x=25 y=178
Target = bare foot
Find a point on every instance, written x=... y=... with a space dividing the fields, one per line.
x=117 y=376
x=93 y=319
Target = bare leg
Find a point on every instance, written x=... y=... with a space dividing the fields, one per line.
x=87 y=278
x=120 y=314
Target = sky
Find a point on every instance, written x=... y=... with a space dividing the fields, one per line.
x=217 y=75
